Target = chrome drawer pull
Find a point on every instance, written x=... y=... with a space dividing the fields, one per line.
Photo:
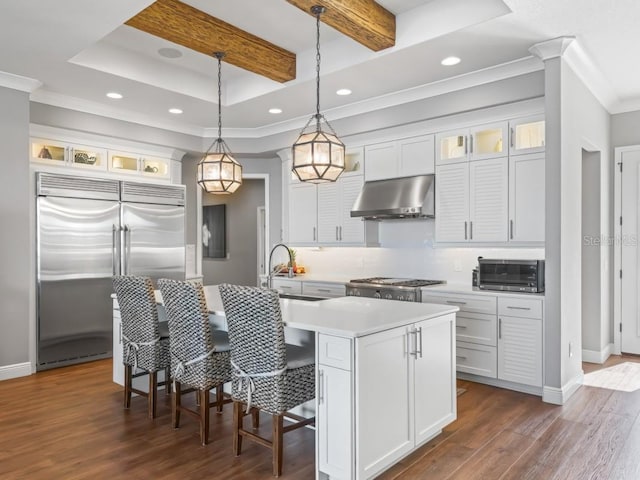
x=518 y=308
x=464 y=327
x=461 y=357
x=454 y=302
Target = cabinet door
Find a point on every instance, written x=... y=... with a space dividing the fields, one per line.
x=452 y=147
x=329 y=212
x=417 y=156
x=88 y=157
x=351 y=229
x=335 y=422
x=384 y=383
x=303 y=204
x=489 y=141
x=118 y=366
x=380 y=161
x=488 y=181
x=435 y=378
x=155 y=167
x=123 y=162
x=47 y=151
x=520 y=350
x=527 y=135
x=452 y=202
x=526 y=198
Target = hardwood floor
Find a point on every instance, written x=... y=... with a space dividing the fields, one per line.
x=69 y=424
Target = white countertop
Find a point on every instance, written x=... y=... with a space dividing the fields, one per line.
x=315 y=277
x=345 y=316
x=468 y=289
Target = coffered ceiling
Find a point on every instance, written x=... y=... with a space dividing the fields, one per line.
x=82 y=49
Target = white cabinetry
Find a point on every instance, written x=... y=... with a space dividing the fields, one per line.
x=118 y=366
x=125 y=162
x=412 y=363
x=498 y=338
x=323 y=289
x=303 y=213
x=287 y=285
x=67 y=154
x=520 y=341
x=526 y=198
x=476 y=143
x=471 y=201
x=527 y=135
x=401 y=158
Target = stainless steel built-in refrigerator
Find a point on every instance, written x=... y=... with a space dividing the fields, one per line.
x=89 y=230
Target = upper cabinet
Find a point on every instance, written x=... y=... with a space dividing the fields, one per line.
x=476 y=143
x=124 y=162
x=527 y=135
x=400 y=158
x=68 y=155
x=526 y=198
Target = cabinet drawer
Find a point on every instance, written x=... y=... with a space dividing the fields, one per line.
x=287 y=286
x=318 y=289
x=334 y=351
x=520 y=307
x=476 y=328
x=467 y=303
x=477 y=359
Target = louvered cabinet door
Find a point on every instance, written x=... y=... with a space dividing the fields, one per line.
x=452 y=202
x=488 y=200
x=520 y=350
x=351 y=229
x=328 y=213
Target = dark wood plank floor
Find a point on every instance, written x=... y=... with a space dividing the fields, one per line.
x=69 y=424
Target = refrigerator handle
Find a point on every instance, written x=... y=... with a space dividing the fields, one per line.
x=115 y=244
x=127 y=249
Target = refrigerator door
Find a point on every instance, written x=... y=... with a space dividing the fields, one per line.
x=77 y=256
x=153 y=240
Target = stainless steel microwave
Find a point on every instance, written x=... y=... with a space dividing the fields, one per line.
x=511 y=275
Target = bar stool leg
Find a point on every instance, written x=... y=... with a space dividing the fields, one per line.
x=175 y=405
x=204 y=416
x=153 y=391
x=127 y=386
x=278 y=426
x=238 y=415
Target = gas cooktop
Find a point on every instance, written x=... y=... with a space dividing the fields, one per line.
x=396 y=282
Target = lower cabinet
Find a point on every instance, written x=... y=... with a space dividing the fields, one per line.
x=118 y=366
x=520 y=350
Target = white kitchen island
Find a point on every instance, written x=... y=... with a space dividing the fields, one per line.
x=385 y=378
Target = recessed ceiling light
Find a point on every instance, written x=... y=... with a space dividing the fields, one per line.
x=450 y=61
x=275 y=111
x=343 y=91
x=169 y=53
x=175 y=111
x=114 y=95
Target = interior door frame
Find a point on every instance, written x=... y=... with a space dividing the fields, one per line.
x=617 y=250
x=249 y=176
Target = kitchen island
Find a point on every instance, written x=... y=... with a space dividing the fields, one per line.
x=385 y=377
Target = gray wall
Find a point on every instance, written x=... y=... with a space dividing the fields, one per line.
x=16 y=258
x=240 y=266
x=625 y=129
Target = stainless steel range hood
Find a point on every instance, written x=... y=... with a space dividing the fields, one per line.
x=407 y=197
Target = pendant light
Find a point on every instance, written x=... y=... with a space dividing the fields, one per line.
x=318 y=156
x=218 y=172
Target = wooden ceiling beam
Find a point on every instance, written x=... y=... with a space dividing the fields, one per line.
x=365 y=21
x=180 y=23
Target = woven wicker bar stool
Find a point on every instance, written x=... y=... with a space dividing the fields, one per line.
x=267 y=374
x=199 y=359
x=145 y=343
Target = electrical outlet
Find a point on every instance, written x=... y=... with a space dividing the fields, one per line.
x=457 y=265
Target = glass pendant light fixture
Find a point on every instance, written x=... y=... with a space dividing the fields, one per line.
x=318 y=155
x=218 y=172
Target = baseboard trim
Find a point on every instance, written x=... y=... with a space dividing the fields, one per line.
x=594 y=356
x=559 y=396
x=14 y=371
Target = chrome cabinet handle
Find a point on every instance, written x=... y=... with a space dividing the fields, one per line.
x=127 y=248
x=337 y=237
x=113 y=248
x=340 y=233
x=120 y=332
x=320 y=386
x=512 y=132
x=314 y=234
x=419 y=333
x=471 y=144
x=470 y=230
x=499 y=328
x=511 y=229
x=456 y=302
x=326 y=290
x=518 y=308
x=461 y=357
x=415 y=350
x=463 y=327
x=465 y=230
x=466 y=146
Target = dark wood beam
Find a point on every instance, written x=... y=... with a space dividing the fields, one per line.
x=363 y=20
x=182 y=24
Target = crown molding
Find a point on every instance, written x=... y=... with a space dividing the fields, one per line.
x=18 y=82
x=551 y=48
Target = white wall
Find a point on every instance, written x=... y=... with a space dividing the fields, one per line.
x=407 y=250
x=16 y=296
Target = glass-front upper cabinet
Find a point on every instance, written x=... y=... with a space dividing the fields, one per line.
x=156 y=167
x=527 y=135
x=124 y=162
x=489 y=141
x=69 y=155
x=354 y=161
x=452 y=146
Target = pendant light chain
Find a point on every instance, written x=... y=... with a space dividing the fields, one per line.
x=219 y=56
x=318 y=12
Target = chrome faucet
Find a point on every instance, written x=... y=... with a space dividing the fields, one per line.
x=271 y=270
